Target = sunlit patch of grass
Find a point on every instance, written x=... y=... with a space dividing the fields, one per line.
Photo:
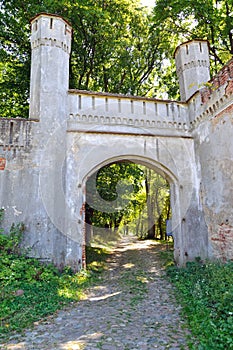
x=96 y=258
x=128 y=265
x=142 y=279
x=205 y=290
x=31 y=291
x=167 y=257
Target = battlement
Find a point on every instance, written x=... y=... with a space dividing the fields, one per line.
x=120 y=113
x=15 y=133
x=214 y=98
x=192 y=49
x=51 y=45
x=224 y=76
x=50 y=30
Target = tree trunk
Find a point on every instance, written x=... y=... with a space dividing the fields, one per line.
x=150 y=206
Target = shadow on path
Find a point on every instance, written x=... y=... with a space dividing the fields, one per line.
x=132 y=307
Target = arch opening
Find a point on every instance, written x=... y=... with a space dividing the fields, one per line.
x=129 y=196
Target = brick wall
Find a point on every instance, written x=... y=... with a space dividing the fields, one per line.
x=225 y=76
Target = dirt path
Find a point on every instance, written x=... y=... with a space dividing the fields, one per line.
x=132 y=308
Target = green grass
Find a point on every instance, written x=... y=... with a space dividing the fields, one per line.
x=31 y=290
x=205 y=292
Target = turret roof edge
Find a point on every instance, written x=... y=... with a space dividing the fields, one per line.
x=49 y=15
x=190 y=41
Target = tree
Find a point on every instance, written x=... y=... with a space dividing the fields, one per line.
x=117 y=47
x=113 y=49
x=111 y=194
x=128 y=195
x=188 y=19
x=158 y=204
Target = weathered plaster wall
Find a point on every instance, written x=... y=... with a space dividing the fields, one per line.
x=20 y=193
x=15 y=180
x=192 y=66
x=173 y=157
x=31 y=150
x=214 y=153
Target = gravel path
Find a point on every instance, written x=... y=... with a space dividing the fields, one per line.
x=132 y=307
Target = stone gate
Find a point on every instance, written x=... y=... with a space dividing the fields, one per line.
x=45 y=160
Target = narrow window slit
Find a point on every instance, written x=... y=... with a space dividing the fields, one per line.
x=80 y=102
x=144 y=107
x=119 y=105
x=132 y=106
x=167 y=108
x=178 y=110
x=11 y=133
x=106 y=104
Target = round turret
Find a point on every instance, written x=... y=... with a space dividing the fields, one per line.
x=192 y=66
x=51 y=43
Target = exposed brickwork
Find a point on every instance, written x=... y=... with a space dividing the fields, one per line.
x=2 y=163
x=225 y=111
x=222 y=242
x=229 y=88
x=225 y=75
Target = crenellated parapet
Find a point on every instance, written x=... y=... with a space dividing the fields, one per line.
x=15 y=134
x=213 y=99
x=51 y=45
x=223 y=78
x=50 y=30
x=104 y=112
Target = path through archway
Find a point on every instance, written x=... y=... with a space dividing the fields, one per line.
x=127 y=197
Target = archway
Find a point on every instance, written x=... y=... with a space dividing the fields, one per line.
x=105 y=206
x=171 y=157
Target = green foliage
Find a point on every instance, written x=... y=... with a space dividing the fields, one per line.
x=96 y=258
x=112 y=194
x=128 y=197
x=167 y=256
x=31 y=290
x=179 y=21
x=206 y=294
x=113 y=48
x=117 y=46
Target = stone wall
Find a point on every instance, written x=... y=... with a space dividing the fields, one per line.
x=20 y=194
x=213 y=131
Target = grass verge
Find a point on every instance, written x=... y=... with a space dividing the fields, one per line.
x=31 y=290
x=205 y=292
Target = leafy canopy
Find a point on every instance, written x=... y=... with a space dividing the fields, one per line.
x=118 y=46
